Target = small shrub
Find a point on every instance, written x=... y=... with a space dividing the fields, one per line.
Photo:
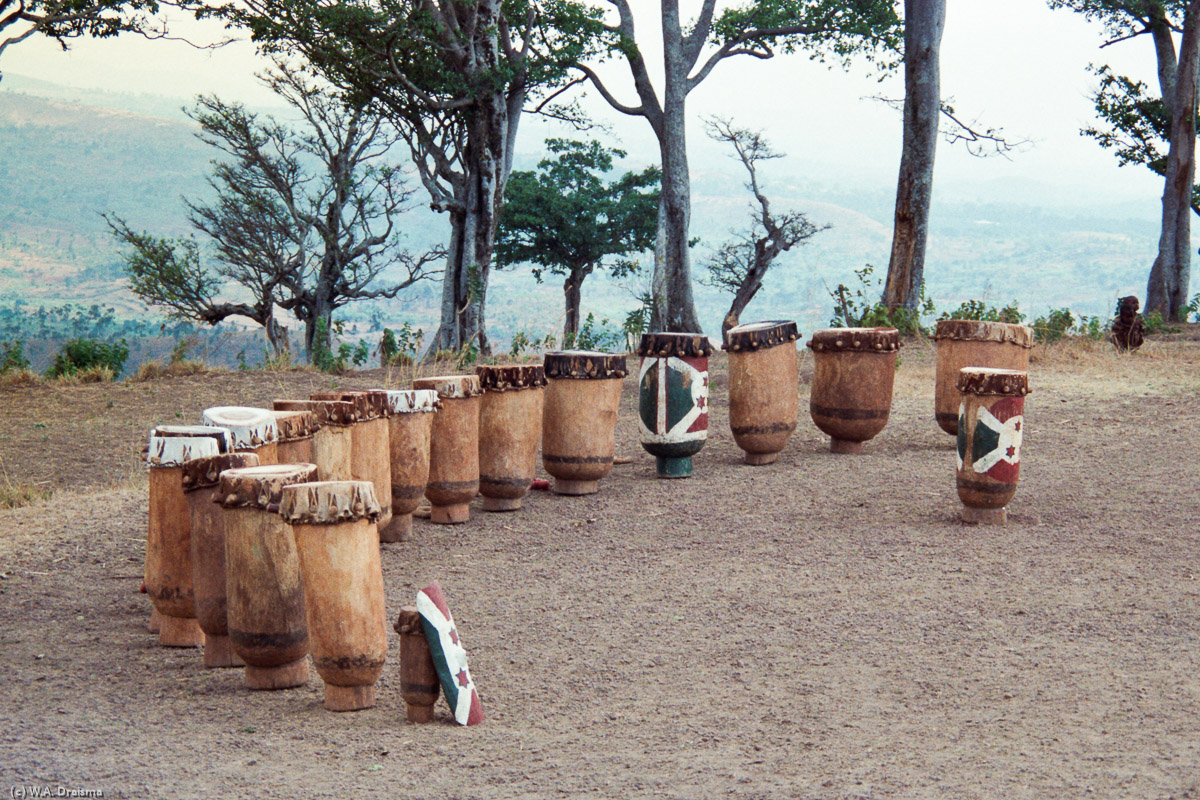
x=20 y=377
x=148 y=371
x=853 y=308
x=80 y=355
x=521 y=343
x=596 y=336
x=12 y=357
x=978 y=310
x=1155 y=323
x=1054 y=326
x=400 y=348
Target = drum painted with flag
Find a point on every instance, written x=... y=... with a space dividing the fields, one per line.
x=673 y=399
x=334 y=525
x=854 y=370
x=264 y=590
x=168 y=572
x=991 y=428
x=449 y=655
x=974 y=343
x=579 y=420
x=410 y=427
x=253 y=430
x=200 y=479
x=370 y=453
x=454 y=448
x=764 y=387
x=331 y=442
x=510 y=430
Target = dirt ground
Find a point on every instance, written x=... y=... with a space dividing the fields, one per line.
x=820 y=628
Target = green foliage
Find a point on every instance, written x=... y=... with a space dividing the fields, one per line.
x=1155 y=323
x=595 y=336
x=326 y=359
x=79 y=355
x=1061 y=322
x=1193 y=308
x=637 y=321
x=521 y=343
x=828 y=29
x=12 y=357
x=401 y=346
x=20 y=320
x=855 y=308
x=978 y=310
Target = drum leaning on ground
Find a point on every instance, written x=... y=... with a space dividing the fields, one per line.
x=510 y=430
x=410 y=427
x=673 y=399
x=991 y=430
x=338 y=544
x=854 y=370
x=253 y=430
x=764 y=387
x=974 y=343
x=579 y=420
x=264 y=589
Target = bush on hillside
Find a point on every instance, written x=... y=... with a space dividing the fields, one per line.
x=89 y=355
x=12 y=357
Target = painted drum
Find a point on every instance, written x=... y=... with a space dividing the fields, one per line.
x=419 y=684
x=410 y=427
x=331 y=442
x=296 y=431
x=334 y=526
x=764 y=387
x=579 y=422
x=253 y=429
x=974 y=343
x=370 y=453
x=510 y=430
x=263 y=584
x=854 y=370
x=454 y=447
x=673 y=399
x=991 y=425
x=168 y=571
x=200 y=478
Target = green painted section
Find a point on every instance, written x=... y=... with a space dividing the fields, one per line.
x=673 y=467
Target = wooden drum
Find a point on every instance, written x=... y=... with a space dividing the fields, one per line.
x=419 y=684
x=764 y=387
x=454 y=448
x=253 y=430
x=673 y=399
x=583 y=396
x=974 y=343
x=200 y=478
x=334 y=526
x=854 y=370
x=410 y=427
x=331 y=440
x=296 y=432
x=990 y=429
x=263 y=586
x=370 y=455
x=510 y=430
x=168 y=572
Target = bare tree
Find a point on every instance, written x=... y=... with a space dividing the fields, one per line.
x=739 y=265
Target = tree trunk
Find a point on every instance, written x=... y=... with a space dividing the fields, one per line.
x=1167 y=288
x=924 y=21
x=745 y=292
x=573 y=301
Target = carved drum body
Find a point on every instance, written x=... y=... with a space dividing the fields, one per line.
x=296 y=432
x=974 y=343
x=510 y=430
x=331 y=442
x=579 y=420
x=334 y=526
x=253 y=430
x=370 y=454
x=419 y=684
x=264 y=589
x=673 y=399
x=168 y=571
x=410 y=427
x=991 y=422
x=854 y=370
x=764 y=387
x=454 y=447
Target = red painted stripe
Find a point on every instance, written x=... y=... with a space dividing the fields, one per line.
x=475 y=715
x=434 y=592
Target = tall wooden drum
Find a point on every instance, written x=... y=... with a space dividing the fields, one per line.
x=263 y=585
x=673 y=399
x=253 y=430
x=331 y=441
x=370 y=454
x=579 y=422
x=410 y=426
x=454 y=447
x=200 y=478
x=334 y=526
x=296 y=432
x=168 y=572
x=974 y=343
x=764 y=387
x=854 y=370
x=991 y=425
x=510 y=430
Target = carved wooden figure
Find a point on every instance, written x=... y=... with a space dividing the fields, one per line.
x=253 y=430
x=854 y=370
x=583 y=396
x=410 y=427
x=673 y=399
x=974 y=343
x=764 y=387
x=454 y=447
x=510 y=430
x=991 y=429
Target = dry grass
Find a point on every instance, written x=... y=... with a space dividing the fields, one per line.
x=22 y=493
x=153 y=370
x=21 y=377
x=96 y=374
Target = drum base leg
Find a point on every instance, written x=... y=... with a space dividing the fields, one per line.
x=349 y=698
x=419 y=714
x=984 y=516
x=575 y=487
x=218 y=653
x=285 y=676
x=179 y=632
x=155 y=621
x=673 y=467
x=845 y=446
x=456 y=514
x=399 y=529
x=761 y=459
x=501 y=503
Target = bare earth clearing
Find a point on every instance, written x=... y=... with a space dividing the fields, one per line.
x=820 y=628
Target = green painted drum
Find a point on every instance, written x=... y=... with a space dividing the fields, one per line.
x=673 y=399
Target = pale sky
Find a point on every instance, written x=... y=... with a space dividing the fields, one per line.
x=1009 y=63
